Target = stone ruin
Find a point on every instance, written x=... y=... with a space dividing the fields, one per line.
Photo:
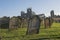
x=33 y=25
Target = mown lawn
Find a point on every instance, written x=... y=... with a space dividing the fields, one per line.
x=52 y=33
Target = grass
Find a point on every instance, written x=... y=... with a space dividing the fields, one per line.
x=20 y=33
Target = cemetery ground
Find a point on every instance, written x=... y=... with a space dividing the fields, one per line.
x=52 y=33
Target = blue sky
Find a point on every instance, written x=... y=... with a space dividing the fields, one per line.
x=14 y=7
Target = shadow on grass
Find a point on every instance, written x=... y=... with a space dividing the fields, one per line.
x=55 y=38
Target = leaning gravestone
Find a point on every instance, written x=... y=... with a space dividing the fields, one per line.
x=33 y=25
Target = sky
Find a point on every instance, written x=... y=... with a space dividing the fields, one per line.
x=14 y=7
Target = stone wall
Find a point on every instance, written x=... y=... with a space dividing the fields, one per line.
x=4 y=22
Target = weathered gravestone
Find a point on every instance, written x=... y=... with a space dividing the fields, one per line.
x=13 y=23
x=33 y=25
x=48 y=22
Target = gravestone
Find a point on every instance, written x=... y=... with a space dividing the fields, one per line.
x=33 y=25
x=48 y=22
x=13 y=23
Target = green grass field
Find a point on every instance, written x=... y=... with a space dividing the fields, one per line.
x=52 y=33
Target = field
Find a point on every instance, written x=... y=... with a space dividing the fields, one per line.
x=52 y=33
